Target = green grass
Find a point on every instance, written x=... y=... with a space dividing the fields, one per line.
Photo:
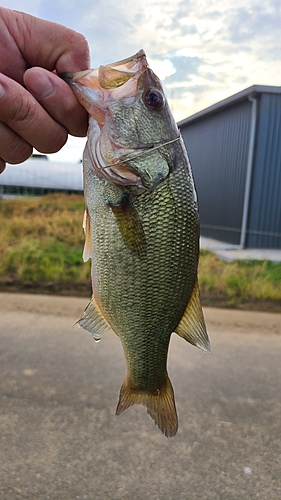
x=240 y=280
x=41 y=241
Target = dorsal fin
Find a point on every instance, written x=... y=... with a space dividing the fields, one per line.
x=192 y=325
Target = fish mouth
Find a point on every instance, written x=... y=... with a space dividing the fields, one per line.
x=111 y=75
x=108 y=78
x=94 y=87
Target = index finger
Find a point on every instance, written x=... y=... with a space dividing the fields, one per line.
x=57 y=47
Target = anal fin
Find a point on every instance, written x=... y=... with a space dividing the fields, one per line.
x=93 y=322
x=192 y=325
x=160 y=405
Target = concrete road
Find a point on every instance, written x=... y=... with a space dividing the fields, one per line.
x=61 y=440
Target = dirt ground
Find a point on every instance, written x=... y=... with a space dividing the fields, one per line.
x=83 y=289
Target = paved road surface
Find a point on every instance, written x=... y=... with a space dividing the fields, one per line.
x=60 y=439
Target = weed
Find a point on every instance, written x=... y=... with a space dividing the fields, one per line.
x=240 y=280
x=41 y=239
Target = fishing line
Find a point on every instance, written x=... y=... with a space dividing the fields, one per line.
x=147 y=151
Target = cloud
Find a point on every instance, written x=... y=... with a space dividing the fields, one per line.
x=185 y=67
x=254 y=22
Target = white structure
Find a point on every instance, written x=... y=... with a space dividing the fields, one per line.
x=41 y=174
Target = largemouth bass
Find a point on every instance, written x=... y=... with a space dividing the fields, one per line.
x=141 y=229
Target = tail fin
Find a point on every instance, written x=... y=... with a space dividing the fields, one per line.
x=160 y=405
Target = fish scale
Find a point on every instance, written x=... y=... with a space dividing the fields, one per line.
x=142 y=230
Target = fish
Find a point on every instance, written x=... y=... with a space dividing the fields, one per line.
x=141 y=228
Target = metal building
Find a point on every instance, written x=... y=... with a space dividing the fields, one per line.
x=235 y=152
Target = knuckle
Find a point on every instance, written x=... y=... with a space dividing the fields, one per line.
x=23 y=113
x=18 y=108
x=20 y=152
x=13 y=149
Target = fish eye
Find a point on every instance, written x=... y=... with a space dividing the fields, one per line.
x=154 y=99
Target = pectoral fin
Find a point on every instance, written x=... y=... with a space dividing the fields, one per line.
x=93 y=321
x=87 y=252
x=129 y=225
x=192 y=325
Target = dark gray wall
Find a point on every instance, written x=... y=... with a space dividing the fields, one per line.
x=218 y=147
x=264 y=221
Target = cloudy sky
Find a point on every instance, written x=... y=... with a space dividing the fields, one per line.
x=203 y=50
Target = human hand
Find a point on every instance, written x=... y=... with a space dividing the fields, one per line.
x=37 y=108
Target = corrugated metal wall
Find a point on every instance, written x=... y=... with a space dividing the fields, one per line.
x=264 y=223
x=218 y=149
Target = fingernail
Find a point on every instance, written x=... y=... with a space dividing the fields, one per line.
x=40 y=86
x=1 y=90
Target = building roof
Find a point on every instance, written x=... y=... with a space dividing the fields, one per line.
x=252 y=91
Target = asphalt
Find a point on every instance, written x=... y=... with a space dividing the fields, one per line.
x=60 y=438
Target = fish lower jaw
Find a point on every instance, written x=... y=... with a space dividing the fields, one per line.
x=122 y=177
